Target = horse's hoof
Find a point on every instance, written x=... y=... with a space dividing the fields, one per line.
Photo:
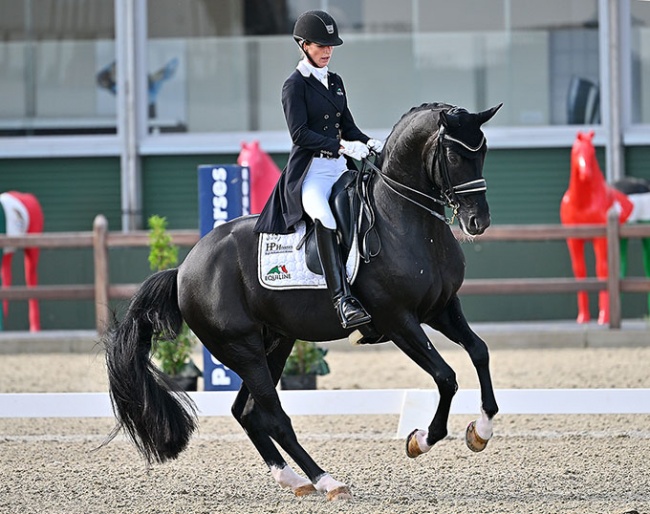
x=340 y=493
x=474 y=442
x=304 y=490
x=412 y=447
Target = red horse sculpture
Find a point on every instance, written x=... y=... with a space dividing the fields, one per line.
x=587 y=201
x=264 y=173
x=22 y=215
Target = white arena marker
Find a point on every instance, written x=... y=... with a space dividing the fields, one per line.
x=416 y=407
x=303 y=403
x=419 y=405
x=55 y=405
x=342 y=402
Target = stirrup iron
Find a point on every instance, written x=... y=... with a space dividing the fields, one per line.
x=356 y=315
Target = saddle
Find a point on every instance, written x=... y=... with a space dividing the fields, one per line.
x=346 y=207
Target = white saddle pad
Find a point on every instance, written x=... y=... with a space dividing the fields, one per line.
x=281 y=266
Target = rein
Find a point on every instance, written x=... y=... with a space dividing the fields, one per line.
x=448 y=195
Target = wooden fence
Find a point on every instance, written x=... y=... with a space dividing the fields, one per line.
x=101 y=240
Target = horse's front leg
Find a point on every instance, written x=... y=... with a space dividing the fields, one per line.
x=452 y=323
x=417 y=346
x=577 y=253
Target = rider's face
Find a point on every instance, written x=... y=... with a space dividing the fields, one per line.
x=321 y=55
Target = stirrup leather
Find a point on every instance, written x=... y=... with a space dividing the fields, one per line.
x=350 y=312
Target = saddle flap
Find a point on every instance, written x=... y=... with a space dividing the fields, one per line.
x=345 y=207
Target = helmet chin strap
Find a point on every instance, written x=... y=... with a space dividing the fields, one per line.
x=301 y=44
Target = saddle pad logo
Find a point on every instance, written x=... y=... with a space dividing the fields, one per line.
x=279 y=272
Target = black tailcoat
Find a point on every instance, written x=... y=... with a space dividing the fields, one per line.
x=317 y=118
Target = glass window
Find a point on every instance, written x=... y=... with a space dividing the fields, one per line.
x=219 y=65
x=51 y=52
x=640 y=14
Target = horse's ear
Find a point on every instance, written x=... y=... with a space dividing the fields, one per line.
x=590 y=135
x=487 y=115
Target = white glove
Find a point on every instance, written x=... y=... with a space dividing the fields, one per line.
x=376 y=145
x=355 y=149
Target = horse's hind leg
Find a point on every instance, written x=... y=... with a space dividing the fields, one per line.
x=258 y=409
x=7 y=259
x=245 y=412
x=31 y=279
x=600 y=251
x=453 y=325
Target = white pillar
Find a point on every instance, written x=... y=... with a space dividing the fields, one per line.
x=130 y=41
x=611 y=66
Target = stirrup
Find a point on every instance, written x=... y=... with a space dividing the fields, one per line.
x=354 y=319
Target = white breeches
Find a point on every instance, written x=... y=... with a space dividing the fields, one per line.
x=317 y=186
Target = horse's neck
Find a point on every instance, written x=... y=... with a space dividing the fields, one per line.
x=406 y=212
x=587 y=192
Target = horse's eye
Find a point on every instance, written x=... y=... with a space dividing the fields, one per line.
x=453 y=158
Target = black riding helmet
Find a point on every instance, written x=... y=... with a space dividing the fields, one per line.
x=316 y=27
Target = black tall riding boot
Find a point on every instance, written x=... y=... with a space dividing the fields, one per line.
x=350 y=311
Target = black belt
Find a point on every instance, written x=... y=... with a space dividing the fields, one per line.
x=326 y=155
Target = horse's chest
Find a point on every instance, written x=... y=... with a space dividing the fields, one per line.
x=437 y=268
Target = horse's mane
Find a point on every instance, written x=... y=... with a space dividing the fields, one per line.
x=427 y=106
x=430 y=106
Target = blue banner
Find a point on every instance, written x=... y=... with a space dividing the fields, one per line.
x=224 y=194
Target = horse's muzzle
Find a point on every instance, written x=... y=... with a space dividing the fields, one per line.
x=474 y=225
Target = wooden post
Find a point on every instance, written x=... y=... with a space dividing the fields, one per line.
x=100 y=253
x=614 y=268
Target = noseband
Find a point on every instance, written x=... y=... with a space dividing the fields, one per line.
x=448 y=193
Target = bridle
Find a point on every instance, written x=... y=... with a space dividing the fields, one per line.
x=449 y=193
x=448 y=196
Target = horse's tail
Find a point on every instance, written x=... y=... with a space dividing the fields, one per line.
x=157 y=417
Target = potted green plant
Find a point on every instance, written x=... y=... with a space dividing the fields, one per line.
x=174 y=357
x=305 y=363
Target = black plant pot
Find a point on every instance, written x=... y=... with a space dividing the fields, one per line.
x=297 y=382
x=185 y=383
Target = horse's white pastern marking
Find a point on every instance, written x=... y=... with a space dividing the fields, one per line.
x=483 y=426
x=287 y=477
x=421 y=438
x=327 y=483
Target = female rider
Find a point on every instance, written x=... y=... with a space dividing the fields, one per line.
x=324 y=137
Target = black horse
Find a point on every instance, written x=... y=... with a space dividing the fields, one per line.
x=432 y=159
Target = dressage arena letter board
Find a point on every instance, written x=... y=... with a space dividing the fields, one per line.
x=224 y=194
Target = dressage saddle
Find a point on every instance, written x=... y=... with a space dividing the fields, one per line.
x=345 y=204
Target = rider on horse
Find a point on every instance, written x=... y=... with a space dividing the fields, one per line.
x=325 y=139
